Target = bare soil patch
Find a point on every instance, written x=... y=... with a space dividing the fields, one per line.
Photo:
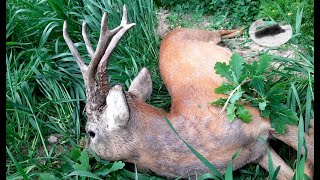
x=243 y=46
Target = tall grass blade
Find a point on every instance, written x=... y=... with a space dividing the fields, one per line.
x=272 y=173
x=20 y=169
x=228 y=174
x=298 y=20
x=308 y=109
x=203 y=159
x=299 y=174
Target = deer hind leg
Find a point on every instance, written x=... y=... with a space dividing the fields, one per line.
x=308 y=167
x=285 y=172
x=230 y=33
x=291 y=139
x=213 y=37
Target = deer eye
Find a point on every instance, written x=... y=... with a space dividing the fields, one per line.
x=91 y=134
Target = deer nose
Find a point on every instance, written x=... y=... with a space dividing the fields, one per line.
x=91 y=134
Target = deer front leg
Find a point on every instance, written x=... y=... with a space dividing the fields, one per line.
x=285 y=172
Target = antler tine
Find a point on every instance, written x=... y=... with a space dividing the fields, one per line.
x=104 y=40
x=102 y=45
x=102 y=67
x=83 y=67
x=116 y=38
x=114 y=42
x=96 y=91
x=124 y=19
x=87 y=40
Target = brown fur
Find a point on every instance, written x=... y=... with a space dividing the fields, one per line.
x=187 y=58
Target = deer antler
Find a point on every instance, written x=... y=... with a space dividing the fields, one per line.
x=97 y=88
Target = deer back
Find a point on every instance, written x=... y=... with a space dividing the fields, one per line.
x=186 y=61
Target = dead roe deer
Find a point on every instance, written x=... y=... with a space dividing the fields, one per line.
x=121 y=126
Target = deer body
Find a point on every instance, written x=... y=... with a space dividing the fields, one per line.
x=186 y=65
x=121 y=126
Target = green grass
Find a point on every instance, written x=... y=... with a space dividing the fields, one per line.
x=45 y=94
x=45 y=91
x=217 y=13
x=299 y=14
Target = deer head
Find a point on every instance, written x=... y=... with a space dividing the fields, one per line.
x=107 y=107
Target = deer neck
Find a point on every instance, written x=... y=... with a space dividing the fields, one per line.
x=156 y=141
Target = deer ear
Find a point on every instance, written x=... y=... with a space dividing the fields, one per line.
x=117 y=111
x=141 y=86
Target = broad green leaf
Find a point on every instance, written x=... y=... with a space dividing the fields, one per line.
x=79 y=167
x=236 y=96
x=279 y=119
x=115 y=166
x=67 y=167
x=47 y=176
x=277 y=106
x=247 y=97
x=224 y=88
x=276 y=93
x=236 y=64
x=262 y=105
x=243 y=114
x=84 y=174
x=219 y=102
x=231 y=112
x=265 y=112
x=84 y=159
x=257 y=83
x=75 y=153
x=249 y=70
x=224 y=70
x=264 y=63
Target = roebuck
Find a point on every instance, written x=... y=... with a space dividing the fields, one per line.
x=121 y=126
